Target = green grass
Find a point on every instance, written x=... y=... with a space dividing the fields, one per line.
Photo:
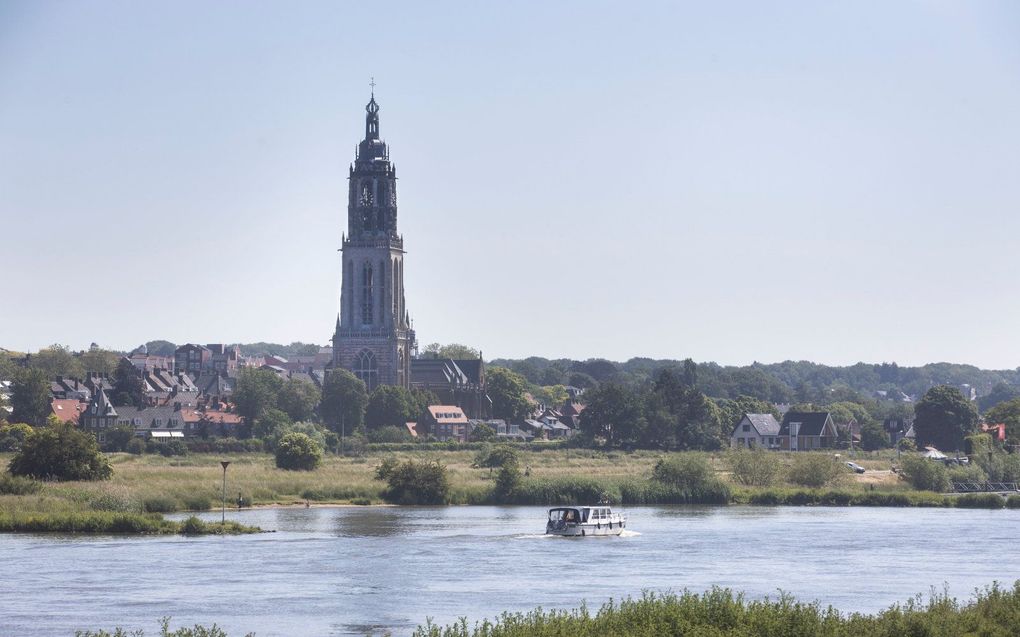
x=108 y=522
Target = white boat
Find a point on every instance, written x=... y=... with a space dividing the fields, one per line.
x=584 y=521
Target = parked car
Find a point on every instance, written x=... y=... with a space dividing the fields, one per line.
x=855 y=467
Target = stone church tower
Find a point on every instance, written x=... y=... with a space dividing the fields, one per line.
x=373 y=335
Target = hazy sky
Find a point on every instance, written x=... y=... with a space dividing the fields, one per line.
x=730 y=181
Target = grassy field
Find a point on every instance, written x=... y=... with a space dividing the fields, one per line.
x=156 y=484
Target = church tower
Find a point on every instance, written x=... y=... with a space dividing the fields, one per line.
x=373 y=335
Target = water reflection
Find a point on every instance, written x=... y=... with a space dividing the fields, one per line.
x=370 y=522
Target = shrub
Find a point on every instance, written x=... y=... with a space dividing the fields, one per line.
x=136 y=446
x=118 y=438
x=61 y=452
x=814 y=470
x=498 y=456
x=197 y=502
x=386 y=467
x=193 y=526
x=967 y=473
x=507 y=482
x=159 y=504
x=418 y=482
x=1013 y=502
x=13 y=436
x=173 y=448
x=16 y=485
x=297 y=452
x=980 y=501
x=924 y=474
x=684 y=470
x=754 y=468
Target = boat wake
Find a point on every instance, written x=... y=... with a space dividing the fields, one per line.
x=545 y=536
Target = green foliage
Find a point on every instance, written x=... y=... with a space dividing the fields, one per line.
x=13 y=436
x=297 y=452
x=1008 y=413
x=30 y=397
x=498 y=456
x=924 y=474
x=508 y=481
x=17 y=485
x=482 y=433
x=689 y=474
x=128 y=388
x=299 y=398
x=257 y=391
x=386 y=467
x=135 y=446
x=814 y=470
x=612 y=413
x=344 y=398
x=754 y=467
x=943 y=417
x=417 y=482
x=874 y=436
x=104 y=522
x=56 y=360
x=506 y=389
x=456 y=351
x=118 y=438
x=1013 y=502
x=390 y=405
x=60 y=452
x=270 y=424
x=733 y=410
x=159 y=504
x=389 y=434
x=980 y=501
x=1000 y=393
x=967 y=473
x=172 y=448
x=194 y=527
x=906 y=444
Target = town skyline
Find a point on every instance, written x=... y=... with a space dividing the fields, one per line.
x=858 y=209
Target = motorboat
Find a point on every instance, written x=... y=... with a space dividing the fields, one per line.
x=582 y=521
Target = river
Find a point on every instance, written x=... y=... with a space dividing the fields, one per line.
x=358 y=570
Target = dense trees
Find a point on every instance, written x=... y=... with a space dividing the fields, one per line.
x=298 y=452
x=60 y=452
x=128 y=388
x=453 y=350
x=298 y=398
x=57 y=360
x=344 y=398
x=30 y=397
x=391 y=405
x=257 y=390
x=943 y=418
x=506 y=389
x=1007 y=413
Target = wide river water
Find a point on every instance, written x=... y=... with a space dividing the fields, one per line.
x=359 y=570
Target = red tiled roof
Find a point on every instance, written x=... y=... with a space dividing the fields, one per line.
x=67 y=409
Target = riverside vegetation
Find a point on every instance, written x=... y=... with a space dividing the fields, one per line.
x=479 y=474
x=993 y=612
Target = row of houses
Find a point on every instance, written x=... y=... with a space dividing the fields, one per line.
x=804 y=431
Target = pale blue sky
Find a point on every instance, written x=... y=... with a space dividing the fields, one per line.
x=730 y=181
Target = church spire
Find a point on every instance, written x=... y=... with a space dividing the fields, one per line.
x=372 y=116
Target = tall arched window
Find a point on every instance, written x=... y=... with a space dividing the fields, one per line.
x=382 y=292
x=366 y=293
x=366 y=368
x=349 y=294
x=394 y=290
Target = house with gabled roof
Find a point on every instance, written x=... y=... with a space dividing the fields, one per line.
x=756 y=431
x=807 y=430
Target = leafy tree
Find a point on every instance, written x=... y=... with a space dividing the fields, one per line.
x=12 y=437
x=269 y=424
x=482 y=433
x=257 y=390
x=128 y=388
x=422 y=399
x=874 y=437
x=552 y=396
x=7 y=366
x=57 y=360
x=733 y=410
x=924 y=474
x=389 y=433
x=455 y=351
x=581 y=380
x=598 y=368
x=498 y=456
x=1007 y=413
x=417 y=482
x=60 y=452
x=98 y=360
x=754 y=467
x=344 y=399
x=814 y=470
x=299 y=398
x=943 y=417
x=506 y=389
x=390 y=405
x=297 y=452
x=613 y=412
x=313 y=431
x=30 y=397
x=117 y=439
x=160 y=348
x=171 y=448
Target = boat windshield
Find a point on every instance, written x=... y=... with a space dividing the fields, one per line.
x=564 y=515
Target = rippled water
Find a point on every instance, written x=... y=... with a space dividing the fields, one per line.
x=351 y=571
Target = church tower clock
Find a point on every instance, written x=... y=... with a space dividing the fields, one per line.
x=373 y=336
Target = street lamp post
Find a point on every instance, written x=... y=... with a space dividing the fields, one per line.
x=223 y=516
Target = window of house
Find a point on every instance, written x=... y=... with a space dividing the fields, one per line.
x=747 y=427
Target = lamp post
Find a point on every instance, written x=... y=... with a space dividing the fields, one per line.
x=223 y=512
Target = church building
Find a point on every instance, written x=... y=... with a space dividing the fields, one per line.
x=373 y=336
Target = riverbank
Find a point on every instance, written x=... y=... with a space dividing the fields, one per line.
x=152 y=484
x=722 y=613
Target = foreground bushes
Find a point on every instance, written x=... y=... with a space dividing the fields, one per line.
x=61 y=452
x=924 y=474
x=722 y=613
x=108 y=522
